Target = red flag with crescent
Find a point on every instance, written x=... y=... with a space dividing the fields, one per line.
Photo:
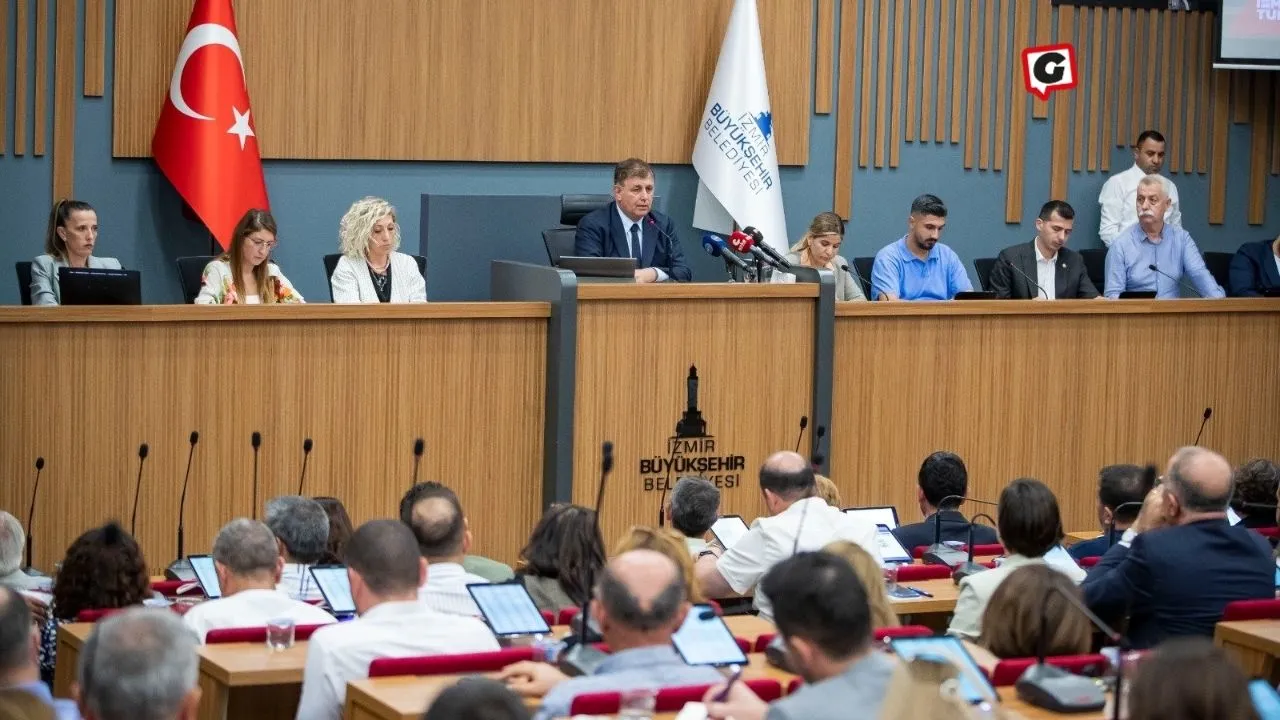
x=205 y=141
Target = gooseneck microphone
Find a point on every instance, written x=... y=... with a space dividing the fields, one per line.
x=819 y=458
x=306 y=454
x=804 y=423
x=418 y=448
x=1186 y=286
x=143 y=450
x=776 y=256
x=1111 y=526
x=1026 y=277
x=969 y=567
x=31 y=513
x=256 y=440
x=1208 y=412
x=845 y=267
x=581 y=658
x=182 y=499
x=1058 y=690
x=938 y=553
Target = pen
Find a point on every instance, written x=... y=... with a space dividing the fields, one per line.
x=921 y=592
x=724 y=694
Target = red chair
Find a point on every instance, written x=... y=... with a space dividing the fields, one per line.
x=1268 y=532
x=548 y=617
x=915 y=573
x=567 y=615
x=1088 y=562
x=449 y=664
x=223 y=636
x=93 y=616
x=668 y=699
x=918 y=551
x=169 y=588
x=1252 y=610
x=795 y=684
x=993 y=549
x=1007 y=672
x=904 y=631
x=762 y=642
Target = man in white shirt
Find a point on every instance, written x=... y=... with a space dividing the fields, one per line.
x=435 y=516
x=1118 y=196
x=248 y=566
x=694 y=508
x=12 y=542
x=301 y=527
x=798 y=520
x=385 y=571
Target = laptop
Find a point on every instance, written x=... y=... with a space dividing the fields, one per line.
x=886 y=515
x=507 y=609
x=206 y=575
x=335 y=586
x=94 y=286
x=1271 y=292
x=603 y=267
x=891 y=551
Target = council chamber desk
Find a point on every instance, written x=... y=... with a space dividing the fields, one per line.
x=83 y=387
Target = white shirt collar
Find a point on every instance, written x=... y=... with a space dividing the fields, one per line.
x=628 y=222
x=1040 y=257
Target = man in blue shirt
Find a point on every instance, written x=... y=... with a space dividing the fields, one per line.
x=19 y=667
x=1121 y=489
x=1153 y=255
x=917 y=266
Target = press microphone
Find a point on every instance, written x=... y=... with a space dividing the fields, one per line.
x=256 y=441
x=1208 y=412
x=804 y=423
x=306 y=454
x=1026 y=277
x=581 y=658
x=418 y=447
x=716 y=247
x=1053 y=688
x=777 y=257
x=143 y=450
x=743 y=243
x=1111 y=526
x=969 y=567
x=1185 y=286
x=31 y=513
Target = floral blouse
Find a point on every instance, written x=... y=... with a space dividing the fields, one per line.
x=218 y=288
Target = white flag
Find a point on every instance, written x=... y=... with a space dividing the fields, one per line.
x=735 y=155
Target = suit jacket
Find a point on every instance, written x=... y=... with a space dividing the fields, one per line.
x=1253 y=268
x=976 y=591
x=600 y=234
x=1176 y=581
x=44 y=276
x=1070 y=278
x=955 y=528
x=351 y=282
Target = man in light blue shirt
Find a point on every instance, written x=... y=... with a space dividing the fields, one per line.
x=1153 y=255
x=917 y=266
x=641 y=600
x=19 y=655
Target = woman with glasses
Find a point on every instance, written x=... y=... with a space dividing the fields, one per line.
x=370 y=269
x=245 y=274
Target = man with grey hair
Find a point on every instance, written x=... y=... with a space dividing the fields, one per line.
x=694 y=508
x=12 y=542
x=139 y=664
x=640 y=601
x=301 y=527
x=20 y=653
x=1181 y=561
x=248 y=567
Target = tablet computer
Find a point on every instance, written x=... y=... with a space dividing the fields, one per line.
x=704 y=639
x=335 y=586
x=877 y=515
x=891 y=551
x=1266 y=702
x=508 y=609
x=729 y=529
x=206 y=575
x=973 y=685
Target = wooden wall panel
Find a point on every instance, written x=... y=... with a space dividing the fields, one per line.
x=988 y=71
x=962 y=38
x=1190 y=76
x=1264 y=129
x=824 y=57
x=866 y=118
x=1155 y=33
x=1124 y=65
x=946 y=72
x=1077 y=97
x=64 y=100
x=1060 y=149
x=1167 y=39
x=1096 y=83
x=929 y=97
x=842 y=194
x=40 y=122
x=95 y=47
x=1222 y=96
x=1207 y=85
x=1044 y=33
x=971 y=94
x=882 y=84
x=1174 y=78
x=21 y=25
x=913 y=49
x=1014 y=181
x=4 y=74
x=899 y=80
x=1109 y=93
x=1002 y=76
x=412 y=82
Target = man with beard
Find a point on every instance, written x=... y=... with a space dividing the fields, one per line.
x=917 y=266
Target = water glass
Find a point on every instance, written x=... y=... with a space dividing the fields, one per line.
x=280 y=634
x=637 y=703
x=891 y=578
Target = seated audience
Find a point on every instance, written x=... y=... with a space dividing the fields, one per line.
x=798 y=520
x=669 y=543
x=819 y=248
x=140 y=664
x=828 y=491
x=1255 y=497
x=1058 y=273
x=385 y=570
x=1121 y=489
x=340 y=529
x=20 y=656
x=433 y=513
x=477 y=698
x=867 y=567
x=1028 y=601
x=245 y=274
x=13 y=542
x=301 y=527
x=640 y=602
x=1030 y=526
x=917 y=266
x=482 y=567
x=19 y=705
x=823 y=617
x=1152 y=242
x=103 y=570
x=563 y=553
x=1255 y=267
x=249 y=567
x=68 y=242
x=694 y=507
x=942 y=481
x=372 y=269
x=1180 y=563
x=1189 y=679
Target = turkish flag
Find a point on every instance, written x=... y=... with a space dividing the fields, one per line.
x=204 y=141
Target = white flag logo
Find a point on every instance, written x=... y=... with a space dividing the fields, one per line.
x=735 y=155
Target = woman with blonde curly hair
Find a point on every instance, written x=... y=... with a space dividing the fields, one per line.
x=244 y=274
x=371 y=269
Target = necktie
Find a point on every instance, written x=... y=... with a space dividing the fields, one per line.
x=635 y=241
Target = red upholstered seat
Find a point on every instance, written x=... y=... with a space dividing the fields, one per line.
x=668 y=699
x=253 y=634
x=1090 y=561
x=96 y=614
x=548 y=617
x=1252 y=610
x=567 y=615
x=449 y=664
x=993 y=549
x=1007 y=672
x=915 y=573
x=1268 y=532
x=170 y=588
x=880 y=635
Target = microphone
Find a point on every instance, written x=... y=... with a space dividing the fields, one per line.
x=817 y=460
x=306 y=453
x=858 y=275
x=662 y=499
x=1185 y=286
x=581 y=658
x=256 y=440
x=1208 y=412
x=743 y=243
x=1111 y=526
x=715 y=247
x=31 y=513
x=938 y=553
x=1057 y=690
x=180 y=569
x=969 y=567
x=143 y=450
x=418 y=447
x=804 y=423
x=1026 y=277
x=777 y=257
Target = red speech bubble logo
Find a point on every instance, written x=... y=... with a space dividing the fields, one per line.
x=1049 y=68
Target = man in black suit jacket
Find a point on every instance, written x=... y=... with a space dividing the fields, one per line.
x=1181 y=562
x=1068 y=279
x=629 y=227
x=942 y=475
x=1255 y=267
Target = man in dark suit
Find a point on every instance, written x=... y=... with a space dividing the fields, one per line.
x=942 y=480
x=629 y=227
x=1121 y=490
x=1057 y=273
x=1255 y=267
x=1181 y=562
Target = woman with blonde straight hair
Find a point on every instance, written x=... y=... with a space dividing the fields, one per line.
x=371 y=269
x=868 y=570
x=244 y=274
x=819 y=248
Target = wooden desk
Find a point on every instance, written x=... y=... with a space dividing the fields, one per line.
x=1079 y=536
x=944 y=592
x=92 y=383
x=1255 y=645
x=247 y=680
x=70 y=641
x=1010 y=702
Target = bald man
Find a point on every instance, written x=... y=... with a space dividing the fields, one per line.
x=798 y=520
x=1181 y=561
x=640 y=602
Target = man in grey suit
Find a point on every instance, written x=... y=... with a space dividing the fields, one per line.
x=1044 y=269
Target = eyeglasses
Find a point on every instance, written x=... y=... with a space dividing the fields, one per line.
x=268 y=244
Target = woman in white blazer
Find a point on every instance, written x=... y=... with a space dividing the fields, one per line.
x=69 y=242
x=370 y=269
x=819 y=248
x=244 y=274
